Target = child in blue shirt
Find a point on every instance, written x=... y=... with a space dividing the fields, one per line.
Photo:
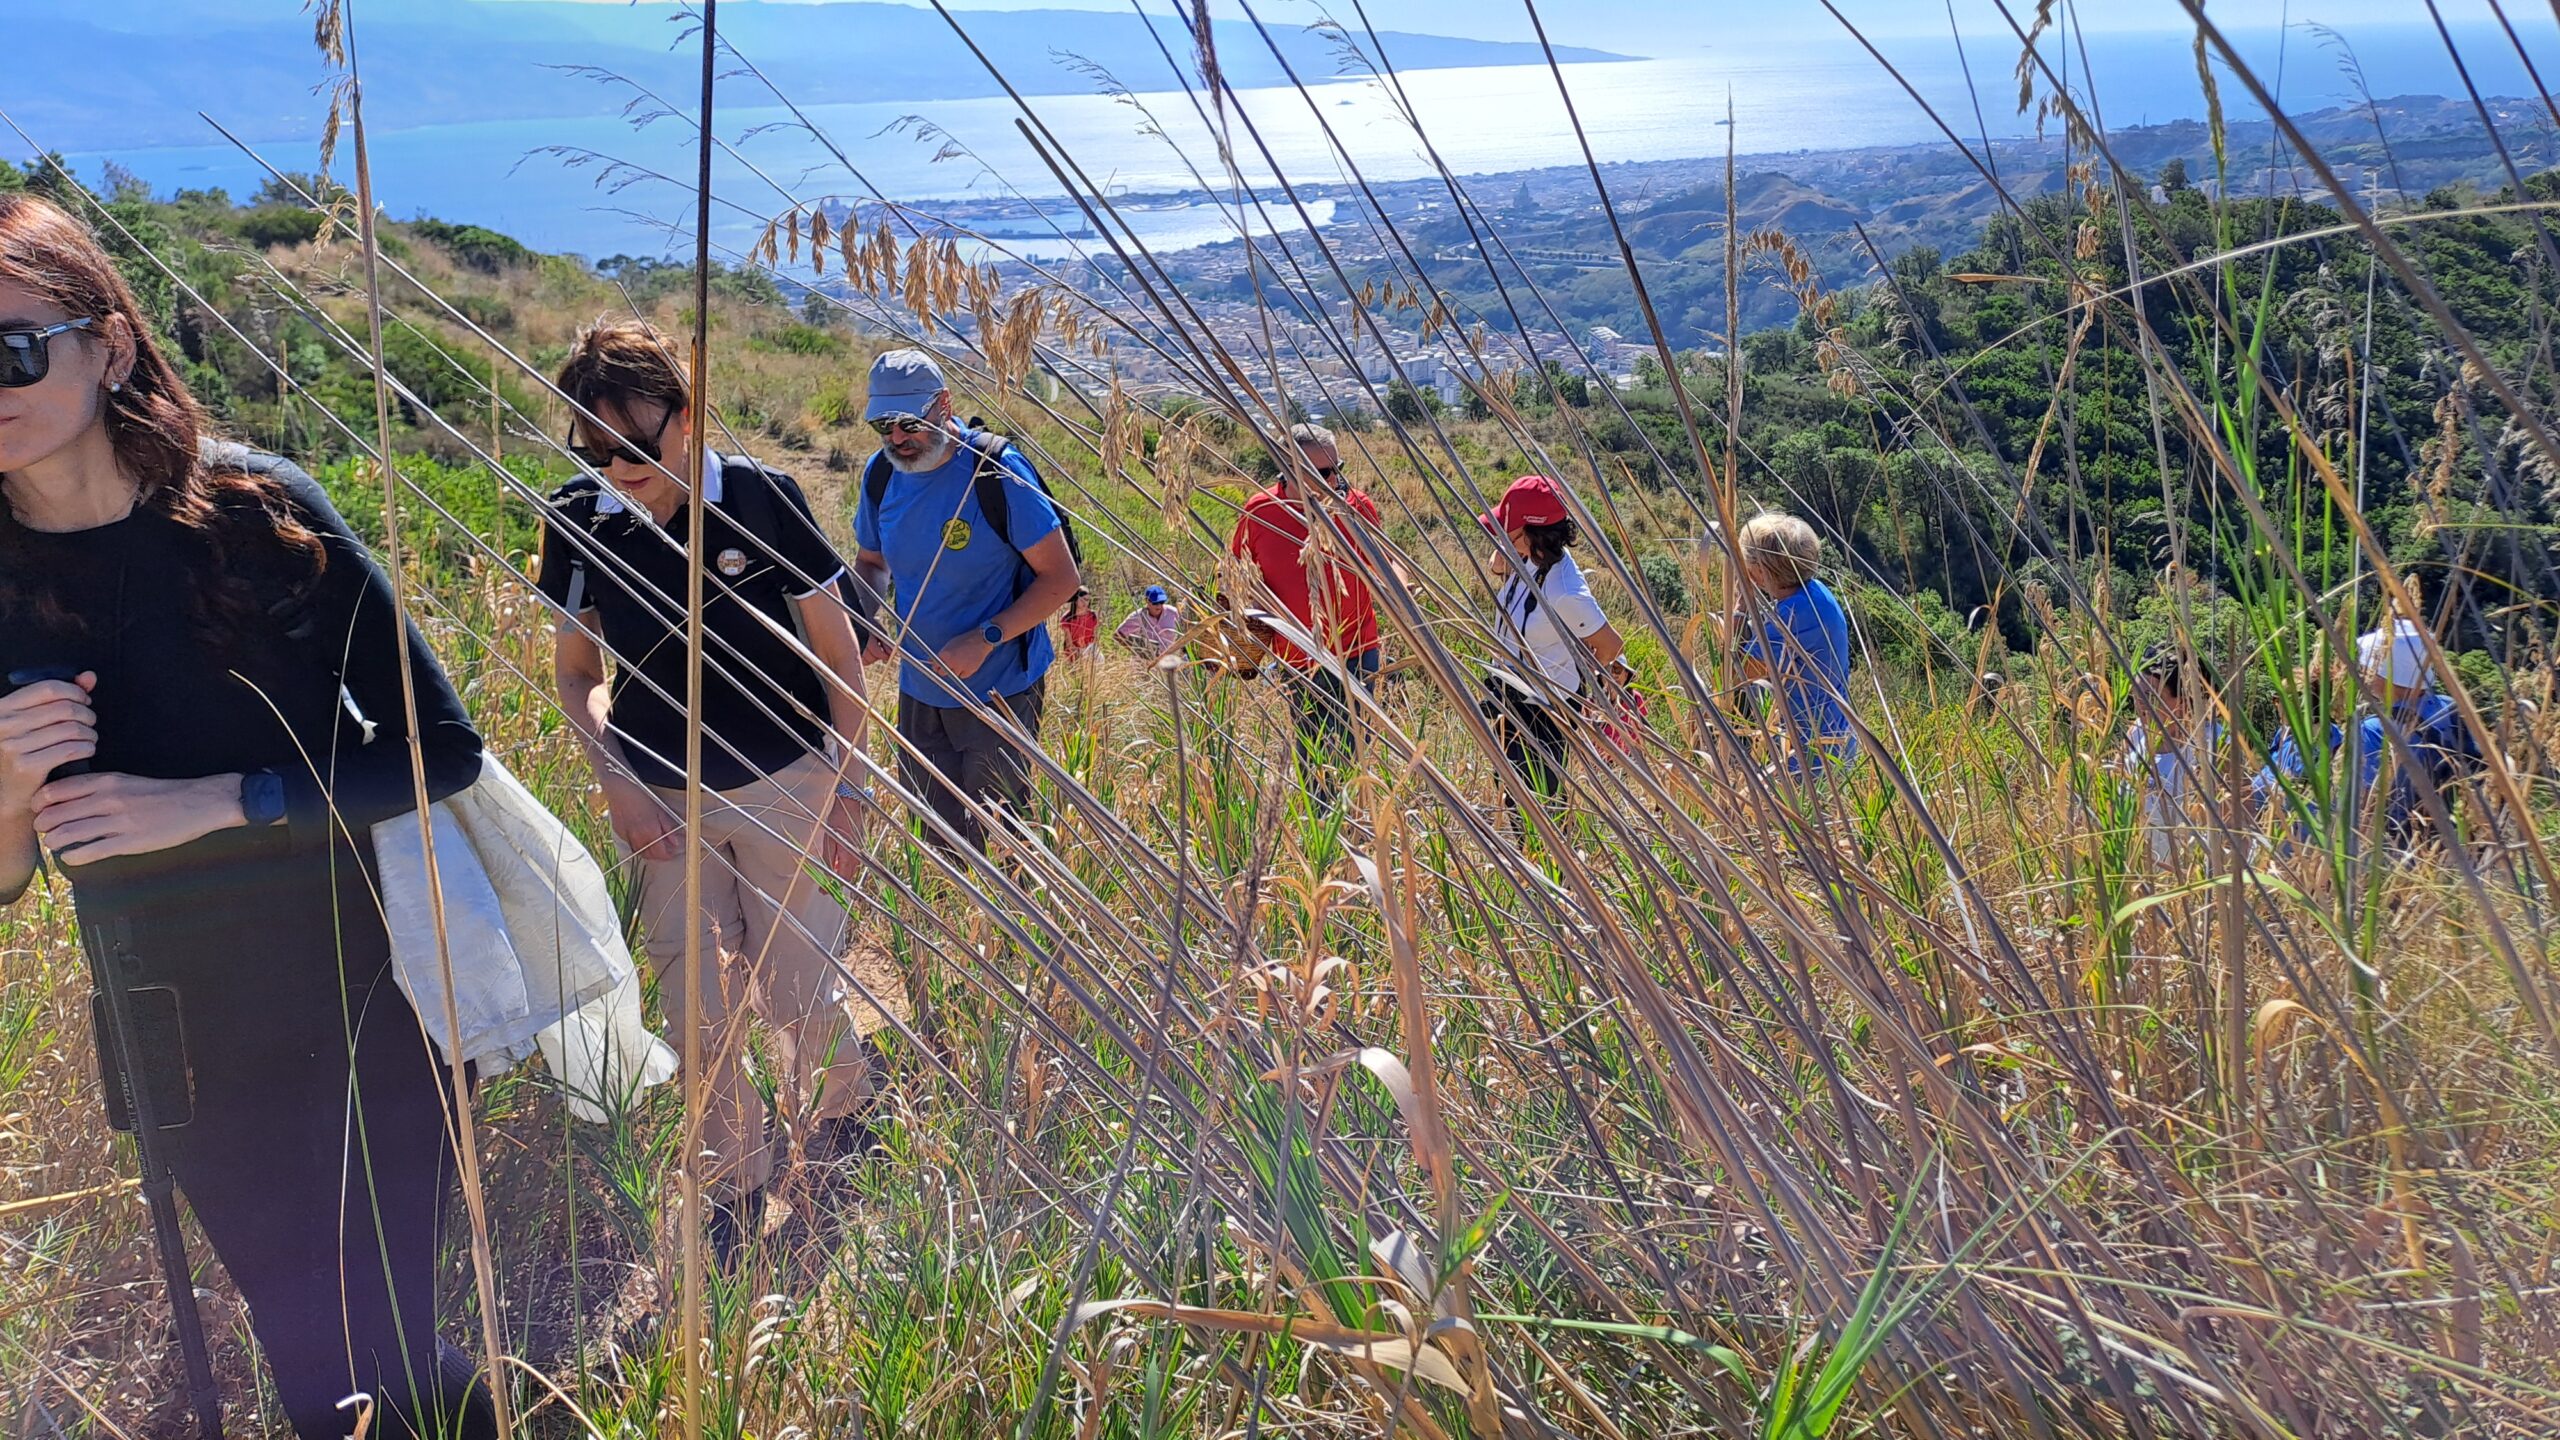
x=1802 y=649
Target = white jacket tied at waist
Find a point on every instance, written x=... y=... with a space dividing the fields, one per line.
x=538 y=959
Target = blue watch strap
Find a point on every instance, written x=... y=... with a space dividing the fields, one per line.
x=261 y=798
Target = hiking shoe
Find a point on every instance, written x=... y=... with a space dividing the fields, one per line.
x=845 y=1140
x=731 y=1225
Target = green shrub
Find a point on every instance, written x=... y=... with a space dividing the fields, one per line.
x=269 y=226
x=1667 y=580
x=472 y=246
x=799 y=339
x=489 y=312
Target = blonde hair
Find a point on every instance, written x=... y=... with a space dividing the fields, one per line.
x=1783 y=546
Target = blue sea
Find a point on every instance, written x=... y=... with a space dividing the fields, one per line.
x=597 y=186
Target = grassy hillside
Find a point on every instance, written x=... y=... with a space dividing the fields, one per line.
x=1925 y=1102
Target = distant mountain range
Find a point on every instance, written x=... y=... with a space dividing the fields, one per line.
x=123 y=77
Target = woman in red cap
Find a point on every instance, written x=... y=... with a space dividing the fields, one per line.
x=1559 y=641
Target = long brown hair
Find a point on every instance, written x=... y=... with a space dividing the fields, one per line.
x=157 y=430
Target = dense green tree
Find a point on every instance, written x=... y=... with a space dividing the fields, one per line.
x=1409 y=404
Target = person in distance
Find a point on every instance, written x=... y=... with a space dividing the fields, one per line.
x=2443 y=751
x=215 y=609
x=2172 y=749
x=779 y=733
x=1154 y=627
x=1324 y=592
x=1082 y=623
x=1801 y=648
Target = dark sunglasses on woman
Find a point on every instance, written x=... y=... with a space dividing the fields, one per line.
x=26 y=356
x=630 y=450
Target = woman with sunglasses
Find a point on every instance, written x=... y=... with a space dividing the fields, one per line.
x=219 y=618
x=779 y=733
x=1549 y=623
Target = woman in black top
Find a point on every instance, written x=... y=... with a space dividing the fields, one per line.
x=213 y=606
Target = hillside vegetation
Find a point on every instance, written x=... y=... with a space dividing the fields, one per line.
x=1927 y=1102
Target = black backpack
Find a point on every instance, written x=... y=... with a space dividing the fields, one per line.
x=754 y=506
x=988 y=480
x=2447 y=754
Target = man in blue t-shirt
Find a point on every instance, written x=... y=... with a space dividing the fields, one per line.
x=971 y=606
x=1803 y=649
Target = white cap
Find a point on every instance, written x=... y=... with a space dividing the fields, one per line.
x=2397 y=654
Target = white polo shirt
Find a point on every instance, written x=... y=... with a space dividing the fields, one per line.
x=1530 y=630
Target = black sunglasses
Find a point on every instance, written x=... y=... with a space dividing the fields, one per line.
x=26 y=356
x=630 y=450
x=900 y=424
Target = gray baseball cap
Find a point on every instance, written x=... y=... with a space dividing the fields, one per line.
x=903 y=382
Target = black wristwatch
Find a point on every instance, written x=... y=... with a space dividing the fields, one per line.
x=994 y=633
x=261 y=798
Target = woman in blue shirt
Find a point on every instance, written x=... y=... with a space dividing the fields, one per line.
x=1801 y=647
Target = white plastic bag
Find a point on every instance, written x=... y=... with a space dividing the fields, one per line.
x=538 y=960
x=492 y=1009
x=603 y=1054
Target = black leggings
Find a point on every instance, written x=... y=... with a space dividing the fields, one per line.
x=1532 y=739
x=325 y=1201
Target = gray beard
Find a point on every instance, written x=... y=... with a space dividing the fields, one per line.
x=934 y=459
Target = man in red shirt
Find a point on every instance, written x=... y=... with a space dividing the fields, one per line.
x=1326 y=593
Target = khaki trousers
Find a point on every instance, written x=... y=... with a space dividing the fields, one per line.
x=772 y=940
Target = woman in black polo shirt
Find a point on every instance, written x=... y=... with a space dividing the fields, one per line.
x=613 y=560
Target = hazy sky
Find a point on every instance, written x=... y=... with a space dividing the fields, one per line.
x=1669 y=29
x=1502 y=20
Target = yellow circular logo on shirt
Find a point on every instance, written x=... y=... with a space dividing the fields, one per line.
x=955 y=536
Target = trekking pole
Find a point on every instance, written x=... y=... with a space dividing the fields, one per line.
x=112 y=968
x=112 y=965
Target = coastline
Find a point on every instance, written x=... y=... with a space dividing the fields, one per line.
x=1897 y=183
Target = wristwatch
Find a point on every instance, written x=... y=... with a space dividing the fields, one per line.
x=261 y=798
x=994 y=633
